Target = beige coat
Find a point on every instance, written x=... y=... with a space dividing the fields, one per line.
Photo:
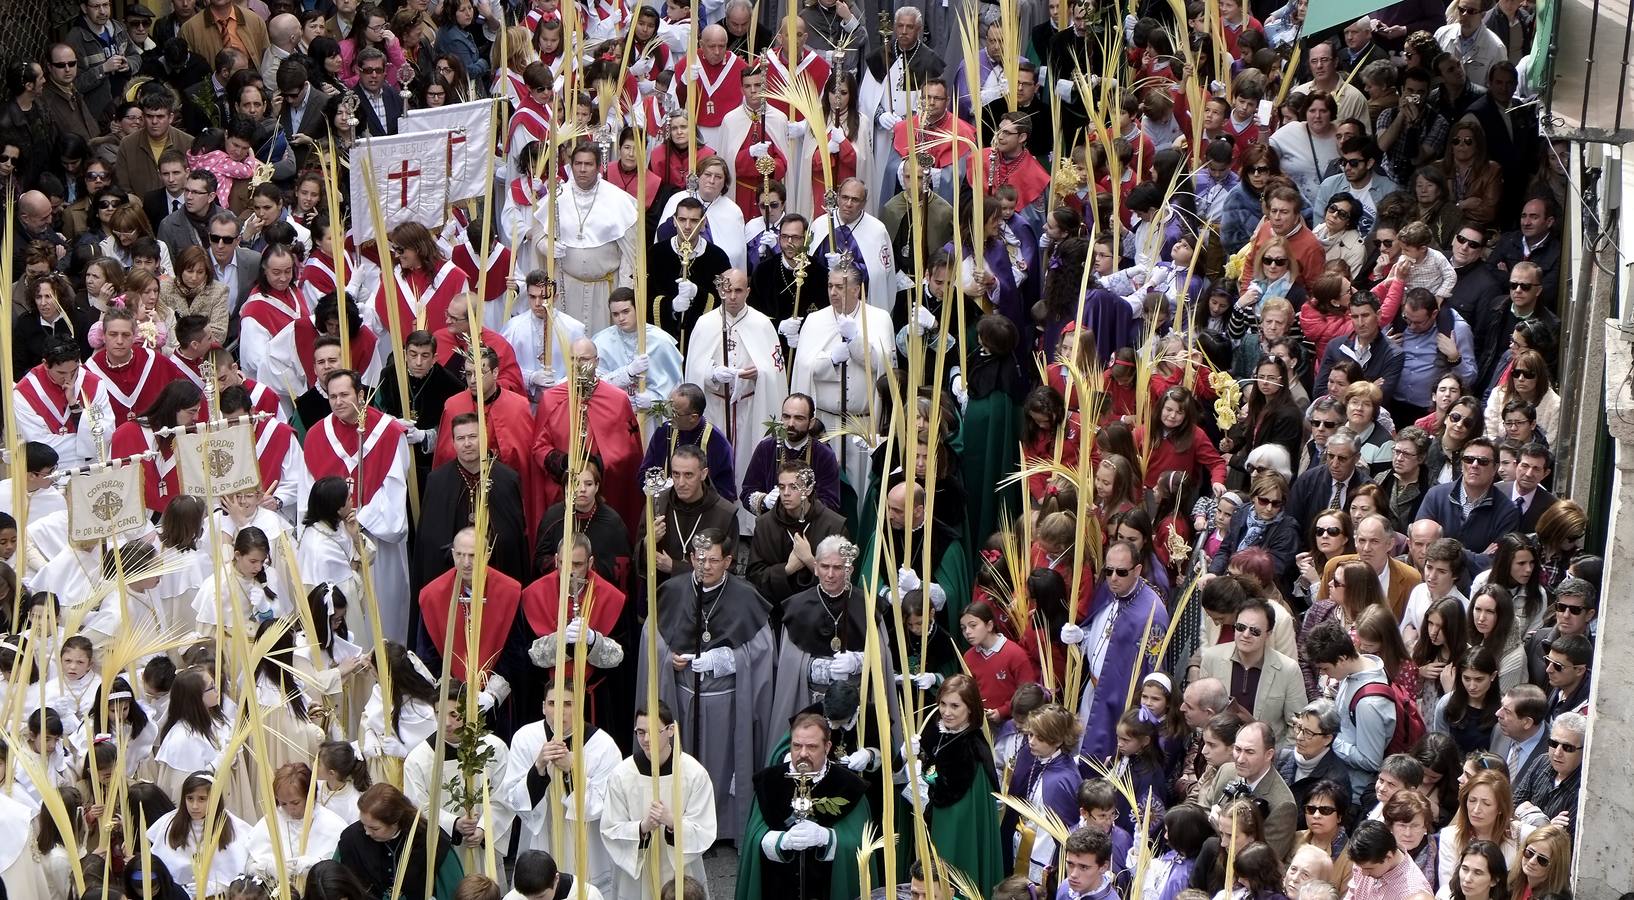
x=1281 y=693
x=211 y=302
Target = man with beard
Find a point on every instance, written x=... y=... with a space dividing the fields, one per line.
x=825 y=629
x=794 y=444
x=894 y=76
x=916 y=233
x=509 y=423
x=542 y=752
x=715 y=652
x=792 y=850
x=594 y=608
x=610 y=433
x=774 y=286
x=591 y=518
x=687 y=427
x=688 y=508
x=781 y=561
x=429 y=388
x=1031 y=102
x=450 y=504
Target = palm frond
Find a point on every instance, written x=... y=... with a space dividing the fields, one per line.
x=1041 y=816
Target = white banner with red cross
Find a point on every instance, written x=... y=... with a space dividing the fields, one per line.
x=407 y=174
x=470 y=129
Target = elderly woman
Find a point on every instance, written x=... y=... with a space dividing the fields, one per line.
x=1306 y=147
x=1311 y=760
x=1374 y=442
x=1411 y=817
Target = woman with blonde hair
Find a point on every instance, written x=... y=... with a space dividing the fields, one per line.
x=196 y=292
x=1476 y=183
x=1374 y=443
x=1486 y=812
x=1046 y=775
x=1276 y=274
x=1546 y=864
x=1560 y=533
x=128 y=225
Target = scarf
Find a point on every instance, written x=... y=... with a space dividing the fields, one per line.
x=1255 y=529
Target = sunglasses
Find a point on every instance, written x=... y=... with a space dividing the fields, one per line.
x=1109 y=571
x=1555 y=665
x=1540 y=858
x=65 y=65
x=1259 y=170
x=1387 y=242
x=1318 y=809
x=1521 y=285
x=1463 y=142
x=223 y=238
x=1274 y=260
x=1473 y=460
x=10 y=158
x=1569 y=608
x=1467 y=241
x=109 y=204
x=1351 y=161
x=1327 y=531
x=98 y=176
x=1254 y=630
x=372 y=70
x=1564 y=747
x=1339 y=211
x=1456 y=417
x=1268 y=503
x=1523 y=373
x=1324 y=423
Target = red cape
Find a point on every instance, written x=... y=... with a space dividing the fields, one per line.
x=747 y=179
x=510 y=437
x=510 y=374
x=306 y=335
x=614 y=436
x=1025 y=174
x=727 y=95
x=133 y=387
x=540 y=598
x=436 y=290
x=322 y=461
x=501 y=597
x=272 y=439
x=936 y=140
x=130 y=439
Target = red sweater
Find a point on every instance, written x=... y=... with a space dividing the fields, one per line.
x=997 y=676
x=1165 y=457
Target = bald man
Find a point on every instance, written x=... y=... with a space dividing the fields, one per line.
x=34 y=219
x=717 y=75
x=283 y=39
x=610 y=432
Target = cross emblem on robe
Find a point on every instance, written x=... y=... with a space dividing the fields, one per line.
x=403 y=174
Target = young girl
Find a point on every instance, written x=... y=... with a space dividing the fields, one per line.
x=47 y=749
x=998 y=664
x=940 y=657
x=158 y=675
x=194 y=737
x=343 y=778
x=1011 y=736
x=1378 y=633
x=1045 y=775
x=285 y=706
x=414 y=717
x=1471 y=710
x=1141 y=760
x=126 y=721
x=1173 y=735
x=179 y=835
x=73 y=690
x=247 y=583
x=52 y=850
x=181 y=526
x=1493 y=627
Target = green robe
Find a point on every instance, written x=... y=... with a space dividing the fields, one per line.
x=965 y=831
x=992 y=452
x=759 y=878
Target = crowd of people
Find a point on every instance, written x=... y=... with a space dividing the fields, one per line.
x=1118 y=454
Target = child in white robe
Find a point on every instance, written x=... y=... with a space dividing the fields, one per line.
x=176 y=838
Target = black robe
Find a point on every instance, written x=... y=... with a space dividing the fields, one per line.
x=772 y=542
x=375 y=862
x=664 y=273
x=447 y=508
x=772 y=290
x=774 y=795
x=683 y=520
x=609 y=541
x=426 y=398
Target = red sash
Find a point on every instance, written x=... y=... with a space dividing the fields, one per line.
x=274 y=311
x=331 y=449
x=501 y=596
x=133 y=387
x=813 y=68
x=720 y=90
x=494 y=280
x=432 y=298
x=1024 y=173
x=160 y=480
x=539 y=603
x=60 y=411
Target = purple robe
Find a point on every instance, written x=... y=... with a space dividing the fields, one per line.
x=1027 y=233
x=769 y=454
x=1113 y=323
x=1061 y=779
x=1130 y=638
x=722 y=475
x=961 y=83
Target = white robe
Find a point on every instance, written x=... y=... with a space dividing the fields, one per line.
x=20 y=870
x=800 y=179
x=283 y=372
x=616 y=349
x=416 y=721
x=325 y=556
x=816 y=375
x=735 y=127
x=600 y=758
x=77 y=448
x=874 y=98
x=742 y=409
x=419 y=770
x=69 y=575
x=41 y=503
x=595 y=233
x=303 y=846
x=342 y=802
x=874 y=242
x=226 y=864
x=526 y=334
x=725 y=221
x=629 y=793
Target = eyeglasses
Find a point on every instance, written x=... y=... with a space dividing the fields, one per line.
x=1569 y=608
x=1539 y=858
x=65 y=65
x=98 y=176
x=1474 y=460
x=1320 y=809
x=1269 y=503
x=1468 y=242
x=1274 y=260
x=223 y=238
x=1324 y=423
x=1254 y=630
x=1522 y=373
x=1521 y=285
x=1463 y=142
x=1259 y=170
x=1564 y=747
x=1109 y=571
x=1340 y=211
x=1351 y=161
x=1327 y=531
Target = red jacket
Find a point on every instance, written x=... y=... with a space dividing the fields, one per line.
x=1164 y=456
x=997 y=676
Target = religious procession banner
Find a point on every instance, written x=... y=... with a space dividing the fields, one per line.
x=410 y=178
x=469 y=126
x=106 y=502
x=220 y=462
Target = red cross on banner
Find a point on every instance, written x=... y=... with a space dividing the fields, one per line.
x=470 y=142
x=403 y=174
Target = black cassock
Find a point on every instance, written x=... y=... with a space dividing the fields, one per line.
x=664 y=273
x=446 y=508
x=426 y=398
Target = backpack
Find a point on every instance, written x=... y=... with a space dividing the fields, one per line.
x=1409 y=724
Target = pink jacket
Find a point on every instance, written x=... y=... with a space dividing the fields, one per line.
x=394 y=62
x=225 y=168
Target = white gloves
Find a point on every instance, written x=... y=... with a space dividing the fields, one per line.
x=638 y=365
x=1072 y=634
x=925 y=680
x=420 y=436
x=998 y=88
x=497 y=688
x=959 y=392
x=621 y=378
x=683 y=297
x=904 y=281
x=923 y=790
x=542 y=378
x=935 y=176
x=560 y=251
x=642 y=402
x=716 y=663
x=756 y=151
x=836 y=134
x=796 y=131
x=845 y=664
x=694 y=72
x=805 y=835
x=770 y=499
x=888 y=121
x=646 y=86
x=906 y=579
x=833 y=145
x=847 y=328
x=860 y=761
x=576 y=629
x=1063 y=89
x=642 y=67
x=724 y=375
x=923 y=317
x=790 y=330
x=911 y=747
x=839 y=353
x=391 y=746
x=768 y=240
x=833 y=259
